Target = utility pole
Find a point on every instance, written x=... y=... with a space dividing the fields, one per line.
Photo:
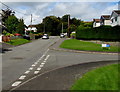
x=119 y=5
x=31 y=22
x=44 y=27
x=68 y=26
x=62 y=27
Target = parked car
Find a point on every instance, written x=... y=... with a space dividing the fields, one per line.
x=62 y=35
x=45 y=36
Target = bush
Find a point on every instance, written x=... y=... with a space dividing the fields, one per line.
x=99 y=33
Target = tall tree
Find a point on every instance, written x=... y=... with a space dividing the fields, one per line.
x=20 y=27
x=11 y=23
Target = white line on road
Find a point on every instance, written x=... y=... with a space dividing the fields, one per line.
x=33 y=65
x=36 y=72
x=47 y=57
x=27 y=72
x=41 y=66
x=38 y=69
x=16 y=83
x=31 y=68
x=22 y=77
x=42 y=63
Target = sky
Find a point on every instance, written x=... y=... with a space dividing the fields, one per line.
x=85 y=11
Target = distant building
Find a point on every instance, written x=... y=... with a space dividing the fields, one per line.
x=96 y=22
x=31 y=28
x=115 y=18
x=105 y=20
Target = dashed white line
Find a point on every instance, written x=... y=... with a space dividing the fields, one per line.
x=16 y=83
x=22 y=77
x=36 y=72
x=38 y=69
x=31 y=68
x=27 y=72
x=41 y=66
x=33 y=65
x=42 y=63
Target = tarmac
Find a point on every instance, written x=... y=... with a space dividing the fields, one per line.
x=62 y=78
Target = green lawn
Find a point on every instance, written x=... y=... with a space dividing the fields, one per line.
x=85 y=46
x=104 y=78
x=18 y=42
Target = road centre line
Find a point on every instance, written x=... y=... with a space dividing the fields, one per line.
x=22 y=77
x=36 y=72
x=16 y=83
x=27 y=72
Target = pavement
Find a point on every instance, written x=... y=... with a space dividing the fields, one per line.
x=62 y=70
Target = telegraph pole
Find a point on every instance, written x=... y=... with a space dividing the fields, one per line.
x=119 y=5
x=68 y=26
x=62 y=27
x=31 y=22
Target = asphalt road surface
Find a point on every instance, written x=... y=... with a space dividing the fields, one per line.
x=30 y=60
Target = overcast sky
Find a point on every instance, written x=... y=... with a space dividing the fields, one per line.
x=81 y=10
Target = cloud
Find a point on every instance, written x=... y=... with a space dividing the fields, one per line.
x=82 y=10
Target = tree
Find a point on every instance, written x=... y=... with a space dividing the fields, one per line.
x=11 y=24
x=51 y=24
x=20 y=27
x=65 y=18
x=6 y=13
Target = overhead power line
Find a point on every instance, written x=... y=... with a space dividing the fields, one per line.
x=12 y=8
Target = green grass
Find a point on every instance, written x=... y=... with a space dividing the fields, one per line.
x=18 y=42
x=104 y=78
x=85 y=46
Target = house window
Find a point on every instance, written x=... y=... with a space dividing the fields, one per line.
x=115 y=18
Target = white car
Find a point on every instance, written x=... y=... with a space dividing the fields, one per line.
x=45 y=36
x=62 y=35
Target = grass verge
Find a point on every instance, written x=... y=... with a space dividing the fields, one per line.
x=86 y=46
x=18 y=42
x=104 y=78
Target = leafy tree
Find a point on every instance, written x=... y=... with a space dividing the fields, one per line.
x=6 y=13
x=20 y=27
x=65 y=18
x=11 y=24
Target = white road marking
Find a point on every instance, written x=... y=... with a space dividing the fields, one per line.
x=33 y=65
x=47 y=57
x=41 y=65
x=16 y=83
x=27 y=72
x=44 y=61
x=36 y=63
x=22 y=77
x=36 y=72
x=38 y=69
x=30 y=68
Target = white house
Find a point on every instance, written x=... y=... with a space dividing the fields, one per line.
x=115 y=18
x=31 y=28
x=105 y=20
x=96 y=22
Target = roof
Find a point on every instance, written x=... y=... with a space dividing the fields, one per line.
x=106 y=17
x=96 y=20
x=117 y=11
x=32 y=26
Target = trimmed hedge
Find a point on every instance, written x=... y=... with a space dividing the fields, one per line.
x=98 y=33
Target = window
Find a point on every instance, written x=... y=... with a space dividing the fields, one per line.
x=115 y=18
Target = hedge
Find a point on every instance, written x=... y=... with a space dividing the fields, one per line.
x=98 y=33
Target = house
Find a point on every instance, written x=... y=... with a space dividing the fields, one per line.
x=105 y=20
x=31 y=28
x=115 y=18
x=96 y=22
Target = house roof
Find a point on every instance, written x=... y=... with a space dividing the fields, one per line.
x=117 y=11
x=96 y=20
x=32 y=26
x=107 y=17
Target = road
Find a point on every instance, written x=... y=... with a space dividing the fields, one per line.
x=19 y=59
x=35 y=58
